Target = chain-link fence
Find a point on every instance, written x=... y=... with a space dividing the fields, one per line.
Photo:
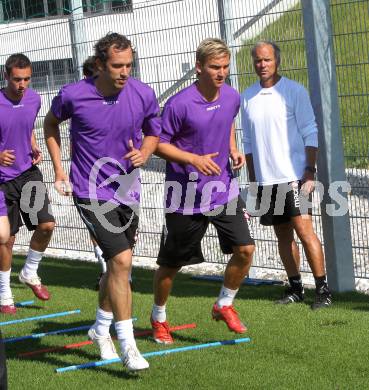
x=351 y=34
x=166 y=34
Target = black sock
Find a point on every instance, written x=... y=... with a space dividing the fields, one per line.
x=321 y=282
x=295 y=282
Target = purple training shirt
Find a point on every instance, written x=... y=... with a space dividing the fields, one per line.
x=17 y=121
x=100 y=130
x=193 y=124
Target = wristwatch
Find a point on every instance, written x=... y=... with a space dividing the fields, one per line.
x=310 y=169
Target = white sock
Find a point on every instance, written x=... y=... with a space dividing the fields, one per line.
x=100 y=258
x=103 y=322
x=226 y=297
x=32 y=262
x=158 y=313
x=125 y=334
x=5 y=291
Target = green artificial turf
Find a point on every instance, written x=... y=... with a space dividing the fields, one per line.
x=291 y=347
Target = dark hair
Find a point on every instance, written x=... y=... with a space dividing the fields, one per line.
x=17 y=60
x=88 y=67
x=115 y=40
x=277 y=50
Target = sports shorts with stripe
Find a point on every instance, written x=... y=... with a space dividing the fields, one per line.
x=281 y=202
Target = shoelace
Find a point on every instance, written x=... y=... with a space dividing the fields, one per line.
x=232 y=312
x=323 y=292
x=165 y=325
x=111 y=344
x=131 y=353
x=104 y=338
x=161 y=324
x=322 y=297
x=106 y=342
x=291 y=291
x=36 y=281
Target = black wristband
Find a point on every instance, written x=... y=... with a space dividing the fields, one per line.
x=310 y=169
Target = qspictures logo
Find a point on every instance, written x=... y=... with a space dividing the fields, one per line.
x=127 y=189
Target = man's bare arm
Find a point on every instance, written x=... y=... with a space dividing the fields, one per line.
x=204 y=164
x=52 y=139
x=308 y=178
x=238 y=158
x=36 y=151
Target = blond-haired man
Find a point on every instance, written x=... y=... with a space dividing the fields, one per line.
x=197 y=141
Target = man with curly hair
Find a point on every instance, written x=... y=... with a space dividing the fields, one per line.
x=108 y=115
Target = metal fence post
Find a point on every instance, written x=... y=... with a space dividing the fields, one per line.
x=227 y=30
x=227 y=33
x=331 y=167
x=76 y=36
x=222 y=22
x=1 y=12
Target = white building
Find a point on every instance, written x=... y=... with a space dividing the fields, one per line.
x=58 y=35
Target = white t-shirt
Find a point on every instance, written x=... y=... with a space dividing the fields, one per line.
x=278 y=122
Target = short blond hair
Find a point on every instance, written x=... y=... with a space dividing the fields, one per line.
x=211 y=47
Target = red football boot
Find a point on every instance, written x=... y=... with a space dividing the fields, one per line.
x=229 y=315
x=35 y=285
x=7 y=306
x=160 y=332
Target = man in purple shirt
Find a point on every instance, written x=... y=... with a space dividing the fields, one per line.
x=198 y=140
x=20 y=179
x=108 y=114
x=89 y=70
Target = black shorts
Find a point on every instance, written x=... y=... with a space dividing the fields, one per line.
x=115 y=231
x=281 y=202
x=26 y=199
x=182 y=244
